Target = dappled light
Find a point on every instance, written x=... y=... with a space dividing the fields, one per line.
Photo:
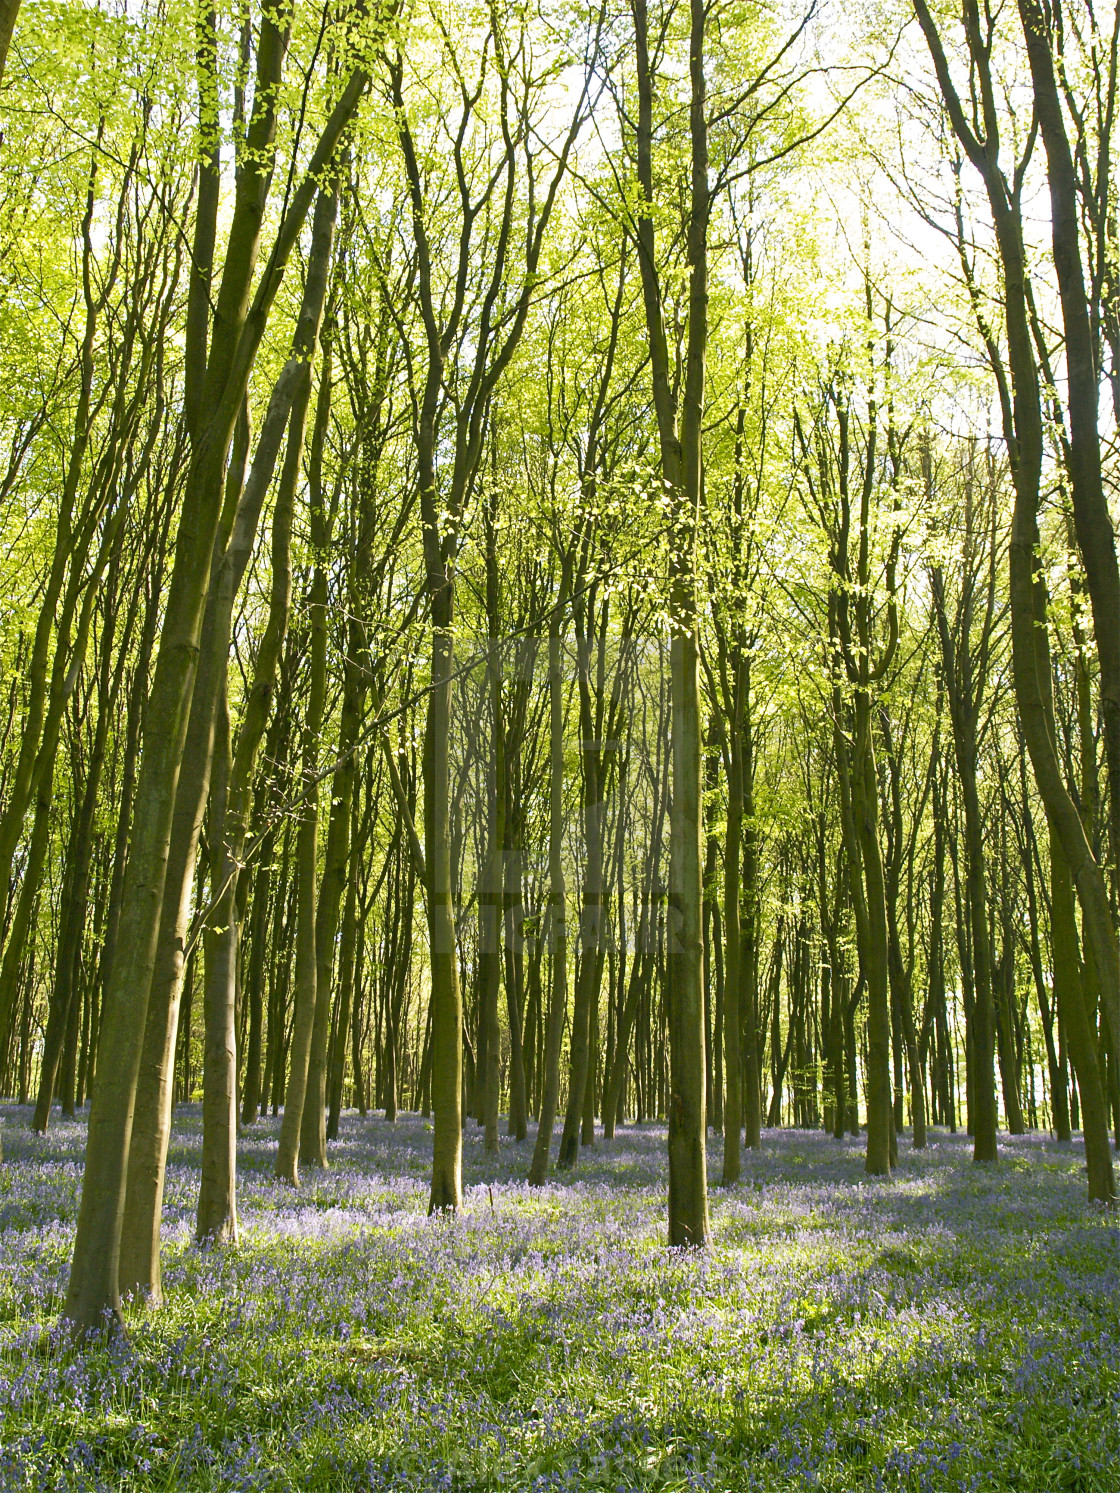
x=839 y=1333
x=559 y=746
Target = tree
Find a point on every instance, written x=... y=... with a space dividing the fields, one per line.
x=214 y=397
x=967 y=638
x=680 y=430
x=832 y=466
x=1021 y=409
x=472 y=305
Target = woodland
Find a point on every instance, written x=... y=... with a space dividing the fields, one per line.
x=559 y=744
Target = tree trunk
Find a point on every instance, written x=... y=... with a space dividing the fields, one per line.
x=515 y=981
x=1096 y=536
x=346 y=995
x=681 y=466
x=591 y=910
x=217 y=1196
x=446 y=1001
x=732 y=1017
x=491 y=888
x=93 y=1290
x=255 y=982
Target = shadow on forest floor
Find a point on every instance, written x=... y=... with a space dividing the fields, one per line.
x=956 y=1327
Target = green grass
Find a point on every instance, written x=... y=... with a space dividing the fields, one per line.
x=955 y=1328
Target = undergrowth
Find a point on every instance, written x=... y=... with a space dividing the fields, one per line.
x=954 y=1328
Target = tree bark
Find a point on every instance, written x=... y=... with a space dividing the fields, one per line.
x=216 y=1221
x=680 y=440
x=93 y=1292
x=732 y=1017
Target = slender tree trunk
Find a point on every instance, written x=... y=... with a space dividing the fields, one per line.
x=254 y=985
x=869 y=903
x=74 y=907
x=307 y=846
x=93 y=1289
x=748 y=961
x=1095 y=530
x=490 y=892
x=515 y=980
x=732 y=1018
x=59 y=600
x=591 y=911
x=1023 y=430
x=1070 y=996
x=313 y=1120
x=681 y=464
x=346 y=954
x=1059 y=1094
x=446 y=1000
x=558 y=899
x=217 y=1197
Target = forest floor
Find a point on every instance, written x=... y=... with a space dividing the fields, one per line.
x=955 y=1328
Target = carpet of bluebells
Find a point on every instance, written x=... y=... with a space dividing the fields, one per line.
x=955 y=1328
